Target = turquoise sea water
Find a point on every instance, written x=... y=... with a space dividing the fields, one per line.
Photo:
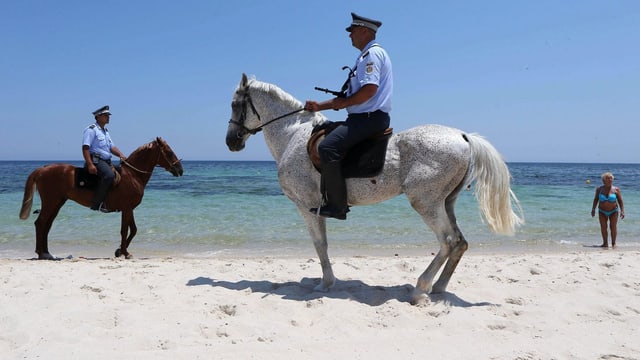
x=238 y=209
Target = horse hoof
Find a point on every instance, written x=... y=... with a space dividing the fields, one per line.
x=46 y=256
x=120 y=253
x=420 y=299
x=322 y=287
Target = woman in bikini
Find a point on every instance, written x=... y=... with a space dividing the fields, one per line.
x=609 y=201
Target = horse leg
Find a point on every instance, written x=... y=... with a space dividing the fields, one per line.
x=317 y=227
x=43 y=225
x=460 y=246
x=454 y=258
x=424 y=283
x=436 y=218
x=128 y=230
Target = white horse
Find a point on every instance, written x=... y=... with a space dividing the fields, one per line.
x=430 y=164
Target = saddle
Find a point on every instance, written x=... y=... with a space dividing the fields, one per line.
x=366 y=159
x=87 y=181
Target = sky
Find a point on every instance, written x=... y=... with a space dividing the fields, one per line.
x=543 y=81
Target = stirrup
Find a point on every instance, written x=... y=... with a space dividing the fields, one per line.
x=330 y=212
x=103 y=208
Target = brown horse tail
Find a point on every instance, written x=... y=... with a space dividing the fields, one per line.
x=29 y=189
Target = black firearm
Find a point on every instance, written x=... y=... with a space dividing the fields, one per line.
x=340 y=94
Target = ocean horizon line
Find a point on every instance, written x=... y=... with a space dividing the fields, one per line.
x=273 y=161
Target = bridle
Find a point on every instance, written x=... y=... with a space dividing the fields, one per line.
x=172 y=165
x=243 y=117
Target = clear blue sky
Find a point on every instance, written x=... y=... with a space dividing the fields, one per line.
x=542 y=80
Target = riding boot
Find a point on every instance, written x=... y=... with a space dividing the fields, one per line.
x=99 y=197
x=334 y=191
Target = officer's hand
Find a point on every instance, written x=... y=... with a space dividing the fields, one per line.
x=92 y=169
x=311 y=105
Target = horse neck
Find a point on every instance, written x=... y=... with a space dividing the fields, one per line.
x=142 y=162
x=271 y=104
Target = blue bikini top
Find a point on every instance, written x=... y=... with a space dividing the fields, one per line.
x=611 y=198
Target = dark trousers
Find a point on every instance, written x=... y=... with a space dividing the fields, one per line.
x=357 y=128
x=333 y=149
x=106 y=180
x=105 y=172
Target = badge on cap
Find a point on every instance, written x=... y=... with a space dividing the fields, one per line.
x=358 y=20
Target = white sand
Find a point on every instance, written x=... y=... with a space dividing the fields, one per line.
x=582 y=305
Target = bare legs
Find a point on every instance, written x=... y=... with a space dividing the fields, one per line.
x=605 y=228
x=613 y=225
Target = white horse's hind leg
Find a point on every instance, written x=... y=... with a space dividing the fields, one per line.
x=423 y=286
x=454 y=258
x=317 y=227
x=436 y=218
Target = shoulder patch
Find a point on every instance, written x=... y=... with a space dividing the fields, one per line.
x=369 y=68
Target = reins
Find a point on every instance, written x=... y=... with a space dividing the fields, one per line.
x=136 y=169
x=259 y=128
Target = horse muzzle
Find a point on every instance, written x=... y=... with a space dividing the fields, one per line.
x=177 y=171
x=235 y=141
x=235 y=147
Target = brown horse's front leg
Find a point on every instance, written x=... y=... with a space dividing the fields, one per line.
x=128 y=230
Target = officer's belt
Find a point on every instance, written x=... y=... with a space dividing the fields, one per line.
x=100 y=157
x=366 y=115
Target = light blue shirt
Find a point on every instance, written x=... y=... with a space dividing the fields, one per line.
x=98 y=140
x=373 y=66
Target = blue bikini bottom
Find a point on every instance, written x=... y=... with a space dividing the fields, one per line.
x=608 y=213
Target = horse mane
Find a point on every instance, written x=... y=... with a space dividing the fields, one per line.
x=143 y=148
x=275 y=92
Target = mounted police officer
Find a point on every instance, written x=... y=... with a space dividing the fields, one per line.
x=368 y=103
x=97 y=149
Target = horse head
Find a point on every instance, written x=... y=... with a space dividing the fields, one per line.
x=167 y=158
x=240 y=126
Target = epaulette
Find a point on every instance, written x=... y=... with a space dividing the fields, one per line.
x=367 y=53
x=92 y=126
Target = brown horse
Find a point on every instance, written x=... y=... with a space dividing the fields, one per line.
x=56 y=183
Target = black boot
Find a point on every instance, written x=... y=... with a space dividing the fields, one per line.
x=334 y=190
x=99 y=197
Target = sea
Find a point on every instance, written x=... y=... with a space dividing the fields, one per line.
x=237 y=209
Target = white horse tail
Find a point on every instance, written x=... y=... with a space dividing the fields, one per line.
x=492 y=188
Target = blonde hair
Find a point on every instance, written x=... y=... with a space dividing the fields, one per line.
x=606 y=175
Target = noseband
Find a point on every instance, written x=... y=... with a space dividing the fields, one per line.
x=243 y=117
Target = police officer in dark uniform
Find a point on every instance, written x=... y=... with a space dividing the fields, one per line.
x=97 y=149
x=368 y=103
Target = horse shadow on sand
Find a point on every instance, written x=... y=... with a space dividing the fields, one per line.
x=354 y=290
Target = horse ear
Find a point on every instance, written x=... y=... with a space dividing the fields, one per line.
x=245 y=81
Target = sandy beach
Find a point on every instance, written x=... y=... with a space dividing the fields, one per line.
x=581 y=305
